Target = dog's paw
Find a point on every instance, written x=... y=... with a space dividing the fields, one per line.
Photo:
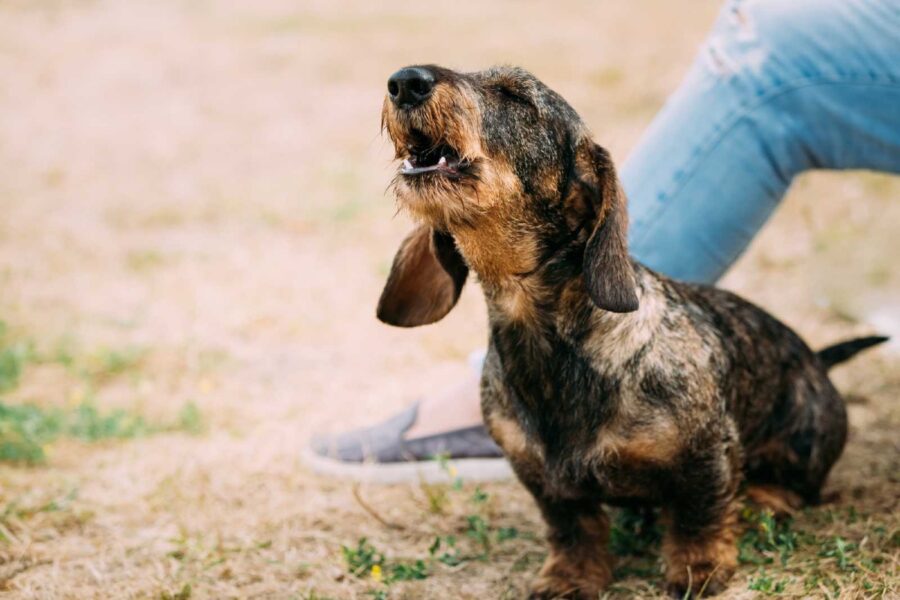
x=551 y=588
x=562 y=577
x=782 y=502
x=704 y=583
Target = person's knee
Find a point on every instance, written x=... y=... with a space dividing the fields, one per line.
x=766 y=44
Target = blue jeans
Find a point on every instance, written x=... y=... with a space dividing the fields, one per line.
x=780 y=87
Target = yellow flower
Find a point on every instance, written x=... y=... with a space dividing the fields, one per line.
x=77 y=396
x=452 y=470
x=376 y=573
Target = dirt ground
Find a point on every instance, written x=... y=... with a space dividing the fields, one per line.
x=202 y=185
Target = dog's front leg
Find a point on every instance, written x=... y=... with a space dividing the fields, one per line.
x=699 y=546
x=579 y=564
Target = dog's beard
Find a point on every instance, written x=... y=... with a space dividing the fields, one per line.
x=439 y=201
x=436 y=183
x=445 y=178
x=451 y=117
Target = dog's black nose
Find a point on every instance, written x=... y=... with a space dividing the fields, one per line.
x=410 y=87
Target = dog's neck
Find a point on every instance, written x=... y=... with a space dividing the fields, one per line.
x=529 y=293
x=497 y=253
x=551 y=306
x=560 y=358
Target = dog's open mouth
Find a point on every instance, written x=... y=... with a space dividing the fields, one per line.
x=426 y=156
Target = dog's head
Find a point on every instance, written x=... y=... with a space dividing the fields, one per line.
x=498 y=152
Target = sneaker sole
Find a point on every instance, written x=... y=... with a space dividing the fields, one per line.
x=430 y=471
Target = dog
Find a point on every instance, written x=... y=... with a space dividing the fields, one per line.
x=605 y=383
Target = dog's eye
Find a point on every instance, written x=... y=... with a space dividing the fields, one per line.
x=514 y=95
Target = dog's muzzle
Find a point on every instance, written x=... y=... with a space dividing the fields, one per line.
x=409 y=89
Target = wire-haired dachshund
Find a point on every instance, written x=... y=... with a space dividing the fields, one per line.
x=605 y=382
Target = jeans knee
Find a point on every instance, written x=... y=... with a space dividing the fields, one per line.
x=766 y=42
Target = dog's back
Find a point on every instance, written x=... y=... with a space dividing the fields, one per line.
x=690 y=362
x=791 y=419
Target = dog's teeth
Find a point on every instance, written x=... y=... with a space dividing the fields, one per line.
x=442 y=162
x=407 y=165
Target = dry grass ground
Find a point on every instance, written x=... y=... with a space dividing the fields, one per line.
x=195 y=232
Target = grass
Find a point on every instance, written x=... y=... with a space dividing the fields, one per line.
x=57 y=508
x=13 y=357
x=474 y=541
x=94 y=366
x=793 y=558
x=184 y=593
x=253 y=162
x=766 y=539
x=801 y=561
x=142 y=261
x=28 y=429
x=812 y=555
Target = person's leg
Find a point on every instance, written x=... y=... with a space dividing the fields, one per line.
x=779 y=87
x=402 y=447
x=449 y=409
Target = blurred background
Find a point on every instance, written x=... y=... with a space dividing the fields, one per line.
x=195 y=230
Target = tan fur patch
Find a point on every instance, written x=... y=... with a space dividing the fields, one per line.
x=517 y=304
x=508 y=435
x=526 y=459
x=502 y=244
x=704 y=563
x=780 y=501
x=516 y=300
x=657 y=445
x=581 y=570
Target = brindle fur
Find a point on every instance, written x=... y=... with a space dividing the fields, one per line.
x=604 y=382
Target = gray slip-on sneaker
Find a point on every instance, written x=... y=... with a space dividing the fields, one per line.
x=381 y=454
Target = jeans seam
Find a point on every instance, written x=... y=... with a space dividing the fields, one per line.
x=734 y=118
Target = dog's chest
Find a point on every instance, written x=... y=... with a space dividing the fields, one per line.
x=564 y=422
x=625 y=466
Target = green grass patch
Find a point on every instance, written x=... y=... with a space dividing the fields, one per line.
x=96 y=366
x=26 y=430
x=767 y=584
x=185 y=593
x=815 y=560
x=819 y=553
x=766 y=539
x=365 y=560
x=13 y=358
x=474 y=540
x=141 y=261
x=634 y=532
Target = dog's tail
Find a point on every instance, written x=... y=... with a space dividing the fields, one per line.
x=842 y=351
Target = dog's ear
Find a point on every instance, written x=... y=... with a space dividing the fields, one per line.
x=608 y=274
x=425 y=280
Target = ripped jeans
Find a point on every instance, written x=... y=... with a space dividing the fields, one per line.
x=779 y=87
